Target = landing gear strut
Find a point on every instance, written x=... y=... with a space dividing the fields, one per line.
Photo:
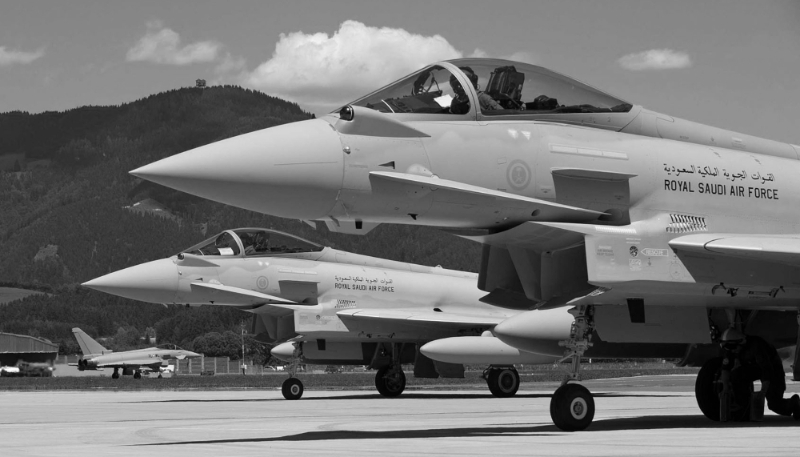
x=115 y=375
x=292 y=388
x=572 y=405
x=390 y=380
x=503 y=382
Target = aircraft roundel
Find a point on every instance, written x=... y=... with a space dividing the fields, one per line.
x=518 y=175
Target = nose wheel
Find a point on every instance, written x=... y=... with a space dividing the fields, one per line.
x=572 y=407
x=292 y=389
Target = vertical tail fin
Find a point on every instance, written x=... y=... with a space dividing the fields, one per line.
x=87 y=344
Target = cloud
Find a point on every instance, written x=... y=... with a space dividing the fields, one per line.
x=655 y=59
x=9 y=57
x=230 y=65
x=163 y=45
x=322 y=69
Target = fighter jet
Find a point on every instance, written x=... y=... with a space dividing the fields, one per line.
x=649 y=228
x=328 y=306
x=134 y=362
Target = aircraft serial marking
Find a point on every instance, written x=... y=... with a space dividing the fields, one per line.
x=344 y=304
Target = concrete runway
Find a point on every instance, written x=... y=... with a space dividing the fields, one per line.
x=653 y=415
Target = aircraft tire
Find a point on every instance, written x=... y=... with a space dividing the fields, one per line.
x=390 y=385
x=503 y=382
x=572 y=407
x=137 y=374
x=115 y=375
x=705 y=391
x=292 y=389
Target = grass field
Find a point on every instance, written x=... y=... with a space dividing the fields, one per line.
x=9 y=294
x=326 y=381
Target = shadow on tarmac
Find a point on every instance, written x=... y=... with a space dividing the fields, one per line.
x=418 y=396
x=629 y=423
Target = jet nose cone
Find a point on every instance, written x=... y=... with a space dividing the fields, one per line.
x=536 y=331
x=293 y=170
x=152 y=282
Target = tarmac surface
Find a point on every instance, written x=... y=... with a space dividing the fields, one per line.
x=650 y=415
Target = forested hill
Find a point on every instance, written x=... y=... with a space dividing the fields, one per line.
x=194 y=116
x=68 y=216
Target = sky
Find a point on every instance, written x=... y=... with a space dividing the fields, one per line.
x=731 y=64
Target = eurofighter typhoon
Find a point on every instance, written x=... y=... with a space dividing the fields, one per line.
x=647 y=227
x=327 y=306
x=133 y=362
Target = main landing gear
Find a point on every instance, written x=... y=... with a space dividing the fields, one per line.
x=572 y=405
x=715 y=394
x=137 y=374
x=709 y=388
x=292 y=388
x=390 y=380
x=115 y=375
x=796 y=364
x=503 y=382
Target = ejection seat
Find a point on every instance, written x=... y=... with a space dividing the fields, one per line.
x=505 y=87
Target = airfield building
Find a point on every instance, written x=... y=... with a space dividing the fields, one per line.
x=14 y=348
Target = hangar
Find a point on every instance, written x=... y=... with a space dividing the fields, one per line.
x=14 y=348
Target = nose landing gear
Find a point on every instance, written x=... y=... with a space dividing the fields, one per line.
x=572 y=405
x=292 y=388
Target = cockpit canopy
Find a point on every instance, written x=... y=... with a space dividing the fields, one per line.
x=497 y=87
x=252 y=242
x=170 y=347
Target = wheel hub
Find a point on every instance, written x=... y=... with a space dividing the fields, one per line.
x=578 y=408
